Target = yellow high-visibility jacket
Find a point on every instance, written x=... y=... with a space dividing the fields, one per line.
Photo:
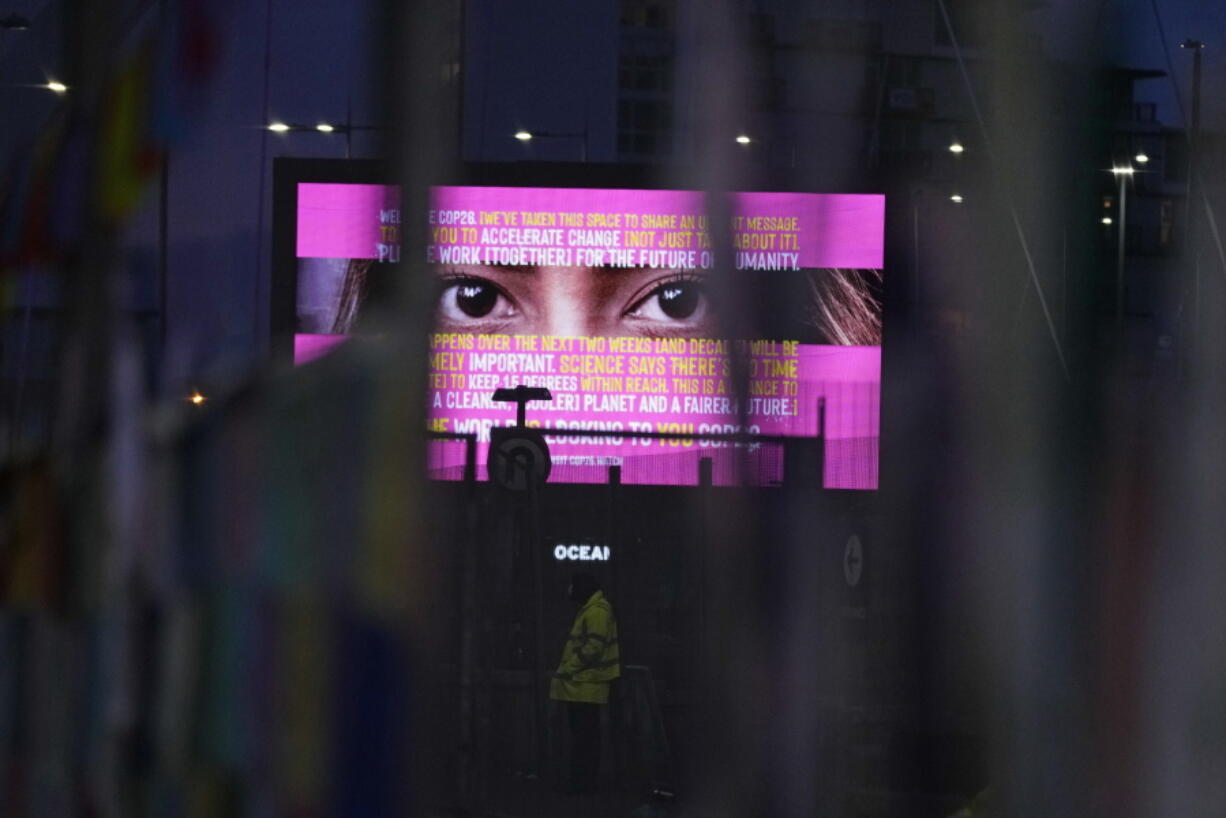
x=590 y=659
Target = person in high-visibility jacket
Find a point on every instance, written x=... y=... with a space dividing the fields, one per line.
x=590 y=663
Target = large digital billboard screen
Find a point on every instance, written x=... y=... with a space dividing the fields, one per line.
x=603 y=297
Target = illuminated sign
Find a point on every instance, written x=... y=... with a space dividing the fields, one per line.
x=581 y=553
x=602 y=297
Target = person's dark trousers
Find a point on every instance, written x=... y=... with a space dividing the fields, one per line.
x=584 y=721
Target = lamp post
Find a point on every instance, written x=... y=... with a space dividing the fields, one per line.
x=917 y=194
x=527 y=136
x=1123 y=174
x=325 y=128
x=1189 y=230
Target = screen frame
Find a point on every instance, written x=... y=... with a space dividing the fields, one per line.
x=290 y=172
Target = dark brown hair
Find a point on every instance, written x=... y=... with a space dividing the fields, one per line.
x=353 y=293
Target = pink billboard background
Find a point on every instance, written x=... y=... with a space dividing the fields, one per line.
x=343 y=220
x=632 y=384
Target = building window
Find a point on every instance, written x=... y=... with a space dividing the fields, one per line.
x=905 y=71
x=644 y=127
x=644 y=115
x=1175 y=162
x=1166 y=223
x=900 y=136
x=964 y=17
x=841 y=36
x=638 y=72
x=644 y=101
x=652 y=14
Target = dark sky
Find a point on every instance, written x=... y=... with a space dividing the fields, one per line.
x=1130 y=31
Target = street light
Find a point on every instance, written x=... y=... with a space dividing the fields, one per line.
x=322 y=127
x=527 y=136
x=276 y=126
x=743 y=139
x=956 y=198
x=56 y=86
x=14 y=22
x=1141 y=158
x=956 y=147
x=1123 y=174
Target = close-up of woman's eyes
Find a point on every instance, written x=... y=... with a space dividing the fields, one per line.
x=679 y=300
x=671 y=302
x=471 y=299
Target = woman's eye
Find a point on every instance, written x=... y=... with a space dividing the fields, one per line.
x=474 y=298
x=673 y=301
x=678 y=300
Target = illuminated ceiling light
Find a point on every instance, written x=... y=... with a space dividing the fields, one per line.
x=956 y=198
x=1126 y=171
x=1141 y=158
x=57 y=86
x=956 y=147
x=197 y=399
x=1106 y=220
x=279 y=127
x=523 y=136
x=743 y=140
x=324 y=127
